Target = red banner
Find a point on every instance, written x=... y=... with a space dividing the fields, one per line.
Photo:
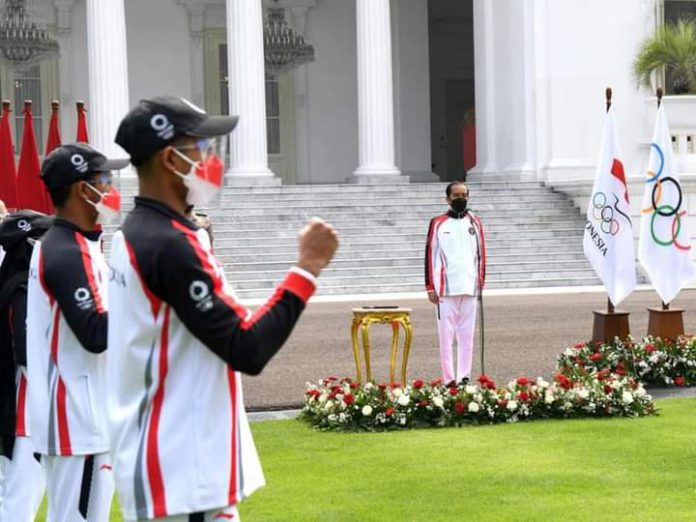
x=8 y=169
x=30 y=187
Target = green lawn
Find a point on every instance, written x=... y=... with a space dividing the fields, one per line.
x=606 y=469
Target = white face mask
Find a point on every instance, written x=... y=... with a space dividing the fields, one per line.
x=203 y=180
x=108 y=207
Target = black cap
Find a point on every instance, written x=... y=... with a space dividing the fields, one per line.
x=155 y=123
x=75 y=162
x=21 y=225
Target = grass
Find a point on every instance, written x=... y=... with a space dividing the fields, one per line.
x=600 y=469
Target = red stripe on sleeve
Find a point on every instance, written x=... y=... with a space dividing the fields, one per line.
x=89 y=271
x=298 y=285
x=21 y=426
x=42 y=278
x=154 y=470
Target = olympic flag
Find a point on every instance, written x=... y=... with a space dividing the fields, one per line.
x=663 y=248
x=608 y=238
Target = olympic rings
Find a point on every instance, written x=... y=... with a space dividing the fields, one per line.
x=607 y=223
x=662 y=164
x=655 y=199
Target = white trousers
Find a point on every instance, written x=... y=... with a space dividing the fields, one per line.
x=24 y=484
x=216 y=515
x=456 y=320
x=79 y=488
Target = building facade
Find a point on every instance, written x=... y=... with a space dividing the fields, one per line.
x=395 y=89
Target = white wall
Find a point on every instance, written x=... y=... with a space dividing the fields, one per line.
x=412 y=88
x=332 y=92
x=159 y=60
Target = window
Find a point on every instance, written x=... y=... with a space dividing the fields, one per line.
x=272 y=100
x=677 y=9
x=27 y=86
x=38 y=83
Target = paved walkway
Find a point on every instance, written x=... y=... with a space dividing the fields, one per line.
x=524 y=333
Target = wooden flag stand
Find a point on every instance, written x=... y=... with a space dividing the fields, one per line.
x=665 y=322
x=610 y=323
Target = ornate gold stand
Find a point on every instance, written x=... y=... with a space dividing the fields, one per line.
x=363 y=318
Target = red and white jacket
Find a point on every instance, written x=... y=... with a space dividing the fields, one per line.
x=66 y=338
x=178 y=339
x=455 y=255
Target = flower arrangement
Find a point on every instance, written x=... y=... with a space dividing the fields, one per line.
x=662 y=362
x=343 y=405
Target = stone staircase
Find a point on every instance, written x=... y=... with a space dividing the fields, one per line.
x=533 y=235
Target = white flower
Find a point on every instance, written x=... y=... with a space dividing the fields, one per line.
x=541 y=383
x=367 y=410
x=368 y=386
x=583 y=393
x=397 y=392
x=627 y=397
x=323 y=397
x=478 y=397
x=569 y=352
x=342 y=417
x=404 y=400
x=548 y=398
x=654 y=359
x=615 y=385
x=333 y=417
x=437 y=401
x=512 y=405
x=473 y=407
x=328 y=405
x=470 y=389
x=640 y=392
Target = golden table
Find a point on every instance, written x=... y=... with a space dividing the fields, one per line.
x=363 y=318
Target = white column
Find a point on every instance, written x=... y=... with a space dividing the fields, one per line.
x=248 y=147
x=375 y=92
x=108 y=73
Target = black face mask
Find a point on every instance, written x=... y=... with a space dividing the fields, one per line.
x=459 y=205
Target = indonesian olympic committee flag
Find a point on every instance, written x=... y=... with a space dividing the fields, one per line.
x=608 y=238
x=664 y=249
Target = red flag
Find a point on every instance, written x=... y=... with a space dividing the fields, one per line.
x=8 y=169
x=53 y=142
x=30 y=186
x=82 y=123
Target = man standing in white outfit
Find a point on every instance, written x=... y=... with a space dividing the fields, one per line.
x=455 y=269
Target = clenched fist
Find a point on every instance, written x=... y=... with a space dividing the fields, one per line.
x=318 y=243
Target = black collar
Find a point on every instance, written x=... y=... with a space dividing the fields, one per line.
x=92 y=235
x=454 y=215
x=164 y=209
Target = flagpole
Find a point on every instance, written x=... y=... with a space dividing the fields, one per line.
x=607 y=96
x=665 y=306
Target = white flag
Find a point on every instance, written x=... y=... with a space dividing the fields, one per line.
x=664 y=249
x=608 y=238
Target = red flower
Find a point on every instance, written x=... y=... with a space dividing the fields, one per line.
x=382 y=386
x=579 y=361
x=620 y=370
x=523 y=381
x=523 y=396
x=332 y=378
x=313 y=393
x=353 y=386
x=453 y=391
x=484 y=379
x=395 y=385
x=348 y=399
x=502 y=402
x=422 y=404
x=596 y=357
x=602 y=374
x=490 y=385
x=436 y=382
x=608 y=389
x=597 y=344
x=580 y=346
x=649 y=348
x=679 y=381
x=418 y=384
x=389 y=411
x=459 y=407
